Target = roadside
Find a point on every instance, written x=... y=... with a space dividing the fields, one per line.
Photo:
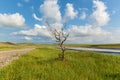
x=7 y=56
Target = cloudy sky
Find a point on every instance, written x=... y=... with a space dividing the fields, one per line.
x=88 y=21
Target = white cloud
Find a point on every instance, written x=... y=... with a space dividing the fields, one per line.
x=84 y=34
x=92 y=32
x=36 y=18
x=88 y=34
x=39 y=31
x=115 y=35
x=12 y=20
x=27 y=38
x=19 y=4
x=85 y=31
x=83 y=16
x=100 y=16
x=50 y=10
x=70 y=12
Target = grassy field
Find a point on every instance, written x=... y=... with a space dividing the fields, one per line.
x=41 y=64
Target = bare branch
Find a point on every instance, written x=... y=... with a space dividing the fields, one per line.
x=60 y=37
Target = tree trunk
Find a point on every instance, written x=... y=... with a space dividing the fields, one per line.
x=63 y=56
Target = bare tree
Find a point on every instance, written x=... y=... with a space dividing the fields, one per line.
x=60 y=36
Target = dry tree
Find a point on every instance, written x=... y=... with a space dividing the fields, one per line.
x=60 y=36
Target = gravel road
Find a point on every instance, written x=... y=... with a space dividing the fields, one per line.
x=7 y=56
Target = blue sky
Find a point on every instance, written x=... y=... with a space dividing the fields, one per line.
x=88 y=21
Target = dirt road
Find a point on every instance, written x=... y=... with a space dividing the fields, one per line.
x=7 y=56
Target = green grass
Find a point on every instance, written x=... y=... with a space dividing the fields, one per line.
x=40 y=64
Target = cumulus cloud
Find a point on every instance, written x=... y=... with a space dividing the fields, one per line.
x=50 y=10
x=36 y=18
x=85 y=37
x=100 y=16
x=83 y=16
x=27 y=38
x=39 y=31
x=39 y=34
x=88 y=33
x=70 y=12
x=92 y=32
x=88 y=30
x=12 y=20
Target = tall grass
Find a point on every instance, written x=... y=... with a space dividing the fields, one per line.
x=40 y=64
